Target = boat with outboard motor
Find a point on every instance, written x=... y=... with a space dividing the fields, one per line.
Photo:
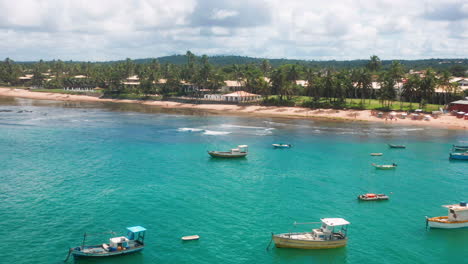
x=457 y=217
x=239 y=152
x=321 y=238
x=372 y=197
x=122 y=245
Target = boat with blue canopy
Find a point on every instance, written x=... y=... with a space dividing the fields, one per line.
x=121 y=245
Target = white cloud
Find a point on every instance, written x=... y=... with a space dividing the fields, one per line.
x=304 y=29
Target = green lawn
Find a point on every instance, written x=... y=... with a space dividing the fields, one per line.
x=369 y=104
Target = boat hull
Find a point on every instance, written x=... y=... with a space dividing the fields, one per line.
x=458 y=156
x=397 y=146
x=227 y=154
x=282 y=242
x=442 y=222
x=385 y=168
x=81 y=254
x=363 y=198
x=281 y=146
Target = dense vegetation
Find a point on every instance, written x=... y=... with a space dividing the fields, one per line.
x=332 y=84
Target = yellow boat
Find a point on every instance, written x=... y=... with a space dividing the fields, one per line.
x=321 y=238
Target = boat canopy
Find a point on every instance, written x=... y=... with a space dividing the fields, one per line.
x=243 y=146
x=334 y=221
x=136 y=229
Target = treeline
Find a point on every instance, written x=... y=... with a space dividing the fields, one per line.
x=326 y=86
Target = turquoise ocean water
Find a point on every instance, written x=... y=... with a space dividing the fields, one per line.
x=67 y=168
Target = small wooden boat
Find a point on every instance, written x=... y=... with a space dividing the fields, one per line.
x=122 y=245
x=384 y=167
x=459 y=156
x=282 y=145
x=376 y=154
x=372 y=197
x=457 y=217
x=321 y=238
x=397 y=146
x=465 y=148
x=239 y=152
x=188 y=238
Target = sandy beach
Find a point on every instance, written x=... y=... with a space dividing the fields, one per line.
x=444 y=121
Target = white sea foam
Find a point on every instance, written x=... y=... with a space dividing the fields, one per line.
x=247 y=127
x=216 y=133
x=189 y=129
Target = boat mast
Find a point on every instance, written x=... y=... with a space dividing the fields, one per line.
x=84 y=239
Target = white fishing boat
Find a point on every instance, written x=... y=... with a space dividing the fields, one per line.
x=332 y=234
x=376 y=154
x=122 y=245
x=384 y=167
x=282 y=145
x=239 y=152
x=457 y=217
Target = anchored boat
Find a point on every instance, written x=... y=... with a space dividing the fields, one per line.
x=376 y=154
x=457 y=217
x=465 y=148
x=332 y=234
x=384 y=167
x=459 y=156
x=372 y=197
x=281 y=145
x=122 y=245
x=239 y=152
x=397 y=146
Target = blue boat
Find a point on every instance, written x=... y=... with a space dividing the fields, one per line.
x=459 y=156
x=122 y=245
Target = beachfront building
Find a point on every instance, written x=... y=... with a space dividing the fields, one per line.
x=231 y=86
x=131 y=81
x=241 y=96
x=235 y=97
x=459 y=106
x=26 y=78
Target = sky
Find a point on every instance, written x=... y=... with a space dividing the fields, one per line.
x=100 y=30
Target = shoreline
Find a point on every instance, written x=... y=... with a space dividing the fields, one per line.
x=444 y=121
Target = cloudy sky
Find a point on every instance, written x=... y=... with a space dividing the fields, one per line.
x=99 y=30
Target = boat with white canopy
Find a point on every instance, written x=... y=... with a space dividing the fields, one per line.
x=457 y=217
x=332 y=234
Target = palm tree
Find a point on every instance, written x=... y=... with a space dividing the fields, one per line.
x=444 y=83
x=427 y=87
x=374 y=63
x=410 y=88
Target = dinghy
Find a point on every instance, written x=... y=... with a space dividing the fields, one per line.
x=376 y=154
x=397 y=146
x=188 y=238
x=281 y=145
x=384 y=167
x=464 y=148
